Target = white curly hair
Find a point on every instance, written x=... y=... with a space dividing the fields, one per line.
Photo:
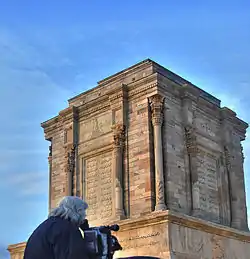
x=71 y=208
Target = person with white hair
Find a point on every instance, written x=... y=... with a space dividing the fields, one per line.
x=59 y=236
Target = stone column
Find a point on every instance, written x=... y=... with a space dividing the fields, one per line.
x=156 y=103
x=119 y=137
x=50 y=176
x=192 y=151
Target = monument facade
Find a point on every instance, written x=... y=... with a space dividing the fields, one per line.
x=159 y=156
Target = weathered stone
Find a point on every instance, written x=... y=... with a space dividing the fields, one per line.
x=145 y=140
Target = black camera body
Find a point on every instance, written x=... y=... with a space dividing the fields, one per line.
x=101 y=244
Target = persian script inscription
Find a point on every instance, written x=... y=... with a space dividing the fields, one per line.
x=99 y=187
x=140 y=240
x=208 y=185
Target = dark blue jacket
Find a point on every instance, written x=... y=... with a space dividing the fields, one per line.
x=56 y=238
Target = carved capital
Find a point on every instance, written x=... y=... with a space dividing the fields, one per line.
x=118 y=134
x=227 y=157
x=191 y=140
x=70 y=158
x=156 y=105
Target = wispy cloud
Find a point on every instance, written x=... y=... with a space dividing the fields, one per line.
x=27 y=184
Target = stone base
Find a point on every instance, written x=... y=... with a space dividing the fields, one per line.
x=171 y=235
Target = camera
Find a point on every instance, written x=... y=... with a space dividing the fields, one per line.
x=101 y=244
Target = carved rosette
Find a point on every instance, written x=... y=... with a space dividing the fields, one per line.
x=156 y=104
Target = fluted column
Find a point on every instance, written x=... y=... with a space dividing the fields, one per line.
x=118 y=145
x=156 y=104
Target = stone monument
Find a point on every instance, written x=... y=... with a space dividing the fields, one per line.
x=159 y=156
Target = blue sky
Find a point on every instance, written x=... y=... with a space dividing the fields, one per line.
x=53 y=50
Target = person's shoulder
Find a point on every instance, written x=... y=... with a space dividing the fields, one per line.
x=60 y=223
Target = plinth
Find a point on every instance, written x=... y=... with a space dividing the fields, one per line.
x=171 y=235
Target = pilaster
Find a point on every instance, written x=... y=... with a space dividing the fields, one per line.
x=70 y=119
x=118 y=146
x=234 y=165
x=189 y=105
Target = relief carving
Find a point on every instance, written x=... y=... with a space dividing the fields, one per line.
x=95 y=127
x=218 y=250
x=70 y=155
x=156 y=104
x=191 y=140
x=118 y=134
x=71 y=159
x=161 y=194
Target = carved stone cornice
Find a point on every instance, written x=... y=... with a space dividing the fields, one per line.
x=129 y=71
x=16 y=248
x=156 y=105
x=65 y=116
x=189 y=94
x=118 y=134
x=97 y=106
x=118 y=94
x=230 y=118
x=96 y=151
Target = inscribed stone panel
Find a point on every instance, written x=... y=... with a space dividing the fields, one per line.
x=95 y=127
x=208 y=185
x=99 y=186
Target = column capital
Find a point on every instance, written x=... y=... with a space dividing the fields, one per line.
x=118 y=134
x=156 y=105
